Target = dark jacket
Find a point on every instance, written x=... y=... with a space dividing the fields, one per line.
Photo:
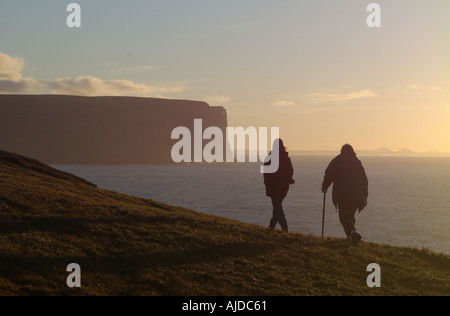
x=349 y=179
x=277 y=184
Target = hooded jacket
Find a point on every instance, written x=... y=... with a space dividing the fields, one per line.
x=349 y=180
x=277 y=184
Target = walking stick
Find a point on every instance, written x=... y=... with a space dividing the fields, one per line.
x=323 y=217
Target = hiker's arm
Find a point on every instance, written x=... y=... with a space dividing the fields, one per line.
x=329 y=176
x=267 y=162
x=365 y=182
x=290 y=171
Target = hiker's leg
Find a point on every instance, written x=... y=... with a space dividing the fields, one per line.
x=352 y=218
x=283 y=221
x=347 y=211
x=278 y=212
x=274 y=220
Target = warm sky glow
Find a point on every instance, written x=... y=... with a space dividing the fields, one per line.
x=312 y=68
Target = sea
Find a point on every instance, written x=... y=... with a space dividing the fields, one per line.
x=409 y=197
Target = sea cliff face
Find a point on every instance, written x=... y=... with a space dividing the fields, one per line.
x=98 y=130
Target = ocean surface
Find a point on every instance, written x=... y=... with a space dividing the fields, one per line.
x=409 y=202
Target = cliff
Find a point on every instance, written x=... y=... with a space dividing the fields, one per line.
x=98 y=130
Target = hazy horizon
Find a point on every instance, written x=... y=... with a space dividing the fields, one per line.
x=313 y=68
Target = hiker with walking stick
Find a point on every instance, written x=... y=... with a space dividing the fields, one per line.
x=350 y=189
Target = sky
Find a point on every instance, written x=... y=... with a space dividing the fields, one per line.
x=312 y=68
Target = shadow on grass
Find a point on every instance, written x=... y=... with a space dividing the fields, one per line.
x=338 y=244
x=75 y=226
x=19 y=265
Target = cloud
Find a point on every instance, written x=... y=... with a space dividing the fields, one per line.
x=330 y=97
x=323 y=98
x=11 y=81
x=11 y=67
x=218 y=99
x=423 y=87
x=17 y=86
x=282 y=103
x=92 y=86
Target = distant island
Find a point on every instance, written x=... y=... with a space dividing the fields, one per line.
x=60 y=129
x=382 y=152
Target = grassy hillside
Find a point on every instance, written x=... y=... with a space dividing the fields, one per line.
x=132 y=246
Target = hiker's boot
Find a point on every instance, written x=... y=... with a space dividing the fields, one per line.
x=356 y=238
x=272 y=225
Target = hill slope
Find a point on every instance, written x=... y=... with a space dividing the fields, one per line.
x=127 y=245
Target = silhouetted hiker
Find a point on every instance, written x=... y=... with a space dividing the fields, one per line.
x=277 y=185
x=350 y=189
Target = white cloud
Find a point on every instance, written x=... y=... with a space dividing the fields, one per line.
x=423 y=87
x=282 y=103
x=222 y=99
x=21 y=86
x=331 y=97
x=92 y=86
x=11 y=81
x=324 y=97
x=11 y=67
